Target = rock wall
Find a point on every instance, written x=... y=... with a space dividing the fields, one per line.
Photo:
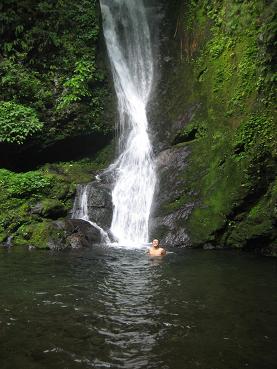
x=215 y=126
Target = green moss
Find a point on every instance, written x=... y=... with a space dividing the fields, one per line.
x=191 y=132
x=3 y=235
x=29 y=198
x=232 y=133
x=257 y=227
x=257 y=129
x=220 y=182
x=52 y=208
x=37 y=234
x=176 y=204
x=81 y=171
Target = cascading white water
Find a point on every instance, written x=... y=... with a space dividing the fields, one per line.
x=80 y=210
x=128 y=42
x=80 y=207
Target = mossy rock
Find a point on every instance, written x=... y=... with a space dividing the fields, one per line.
x=191 y=132
x=257 y=228
x=224 y=72
x=46 y=193
x=250 y=233
x=50 y=208
x=3 y=237
x=40 y=235
x=57 y=235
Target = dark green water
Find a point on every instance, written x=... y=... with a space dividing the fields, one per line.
x=108 y=308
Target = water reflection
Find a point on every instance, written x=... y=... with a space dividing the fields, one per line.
x=112 y=308
x=130 y=313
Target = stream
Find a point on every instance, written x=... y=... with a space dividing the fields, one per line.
x=114 y=308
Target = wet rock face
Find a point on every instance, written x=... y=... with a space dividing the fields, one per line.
x=168 y=215
x=169 y=228
x=73 y=234
x=100 y=207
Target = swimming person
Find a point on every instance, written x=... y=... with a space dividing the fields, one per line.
x=155 y=249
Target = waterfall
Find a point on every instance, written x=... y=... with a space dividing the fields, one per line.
x=80 y=210
x=80 y=207
x=128 y=41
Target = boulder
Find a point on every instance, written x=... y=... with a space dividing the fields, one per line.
x=60 y=234
x=76 y=233
x=49 y=208
x=100 y=207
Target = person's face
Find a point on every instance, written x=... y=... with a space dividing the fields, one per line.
x=155 y=243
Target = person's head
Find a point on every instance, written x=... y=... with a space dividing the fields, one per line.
x=156 y=243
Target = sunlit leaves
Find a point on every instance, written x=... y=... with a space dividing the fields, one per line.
x=17 y=122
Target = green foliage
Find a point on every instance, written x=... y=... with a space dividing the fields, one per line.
x=78 y=85
x=52 y=83
x=194 y=130
x=24 y=184
x=25 y=84
x=52 y=208
x=37 y=234
x=258 y=129
x=49 y=63
x=50 y=189
x=17 y=122
x=219 y=44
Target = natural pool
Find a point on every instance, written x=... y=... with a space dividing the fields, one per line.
x=115 y=308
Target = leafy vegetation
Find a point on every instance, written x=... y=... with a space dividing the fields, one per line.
x=24 y=184
x=53 y=86
x=257 y=130
x=77 y=86
x=29 y=198
x=49 y=63
x=17 y=122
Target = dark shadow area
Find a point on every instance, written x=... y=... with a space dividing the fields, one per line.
x=25 y=158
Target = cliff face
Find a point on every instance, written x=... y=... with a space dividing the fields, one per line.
x=214 y=118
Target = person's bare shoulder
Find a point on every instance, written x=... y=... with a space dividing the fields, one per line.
x=163 y=252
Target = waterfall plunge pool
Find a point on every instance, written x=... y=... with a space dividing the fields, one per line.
x=116 y=308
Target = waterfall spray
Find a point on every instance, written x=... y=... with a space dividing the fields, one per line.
x=128 y=42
